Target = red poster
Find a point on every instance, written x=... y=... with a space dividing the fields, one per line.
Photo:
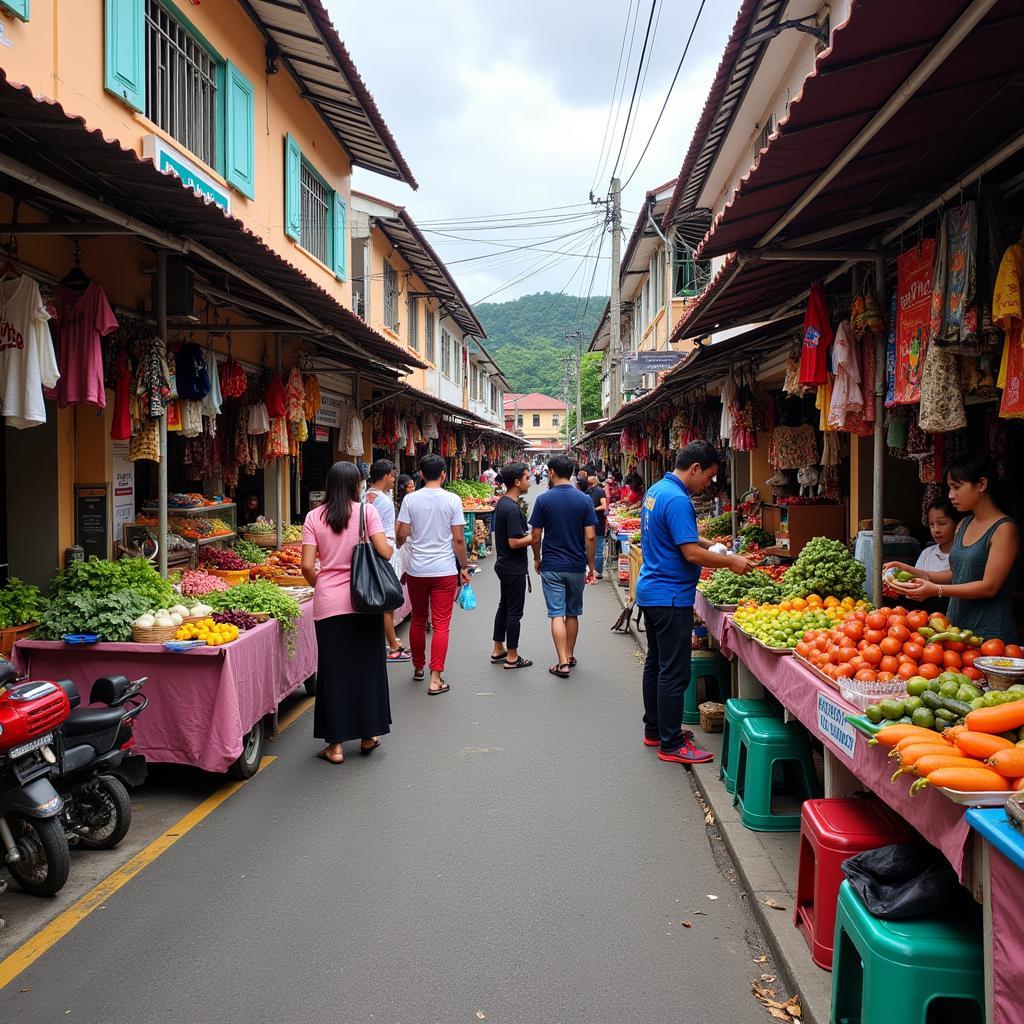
x=913 y=312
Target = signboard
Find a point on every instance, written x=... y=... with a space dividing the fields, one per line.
x=834 y=727
x=636 y=365
x=124 y=487
x=331 y=407
x=322 y=434
x=92 y=519
x=168 y=159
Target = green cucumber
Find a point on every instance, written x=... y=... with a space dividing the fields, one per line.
x=931 y=700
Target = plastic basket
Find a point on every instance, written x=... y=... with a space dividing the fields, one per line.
x=860 y=693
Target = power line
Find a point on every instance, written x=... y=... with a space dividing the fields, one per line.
x=510 y=225
x=636 y=86
x=513 y=213
x=508 y=250
x=672 y=84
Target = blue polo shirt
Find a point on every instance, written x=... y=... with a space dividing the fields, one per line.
x=563 y=513
x=667 y=519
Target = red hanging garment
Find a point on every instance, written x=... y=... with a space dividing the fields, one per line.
x=817 y=337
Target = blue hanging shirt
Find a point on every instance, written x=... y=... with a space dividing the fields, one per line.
x=667 y=520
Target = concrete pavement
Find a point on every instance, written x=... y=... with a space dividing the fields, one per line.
x=510 y=851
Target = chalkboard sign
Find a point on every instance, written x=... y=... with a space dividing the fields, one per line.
x=92 y=519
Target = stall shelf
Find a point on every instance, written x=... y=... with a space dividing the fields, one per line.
x=202 y=702
x=227 y=511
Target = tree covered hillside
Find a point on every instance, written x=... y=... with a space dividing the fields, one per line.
x=527 y=336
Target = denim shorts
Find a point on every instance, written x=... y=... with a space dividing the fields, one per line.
x=563 y=593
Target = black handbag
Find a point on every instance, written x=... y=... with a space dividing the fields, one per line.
x=374 y=586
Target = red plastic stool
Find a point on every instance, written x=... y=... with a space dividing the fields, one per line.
x=831 y=831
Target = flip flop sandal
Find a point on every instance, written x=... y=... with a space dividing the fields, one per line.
x=557 y=670
x=572 y=663
x=498 y=658
x=370 y=749
x=331 y=760
x=443 y=688
x=518 y=663
x=419 y=674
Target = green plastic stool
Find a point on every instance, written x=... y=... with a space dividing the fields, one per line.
x=704 y=665
x=736 y=710
x=894 y=970
x=765 y=742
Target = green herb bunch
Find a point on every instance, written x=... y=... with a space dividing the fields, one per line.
x=825 y=567
x=20 y=603
x=99 y=578
x=250 y=552
x=260 y=596
x=110 y=616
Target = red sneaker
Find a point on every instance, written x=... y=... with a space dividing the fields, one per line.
x=650 y=741
x=687 y=753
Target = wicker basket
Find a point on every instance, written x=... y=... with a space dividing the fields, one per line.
x=9 y=637
x=154 y=634
x=712 y=716
x=232 y=577
x=261 y=540
x=284 y=580
x=261 y=616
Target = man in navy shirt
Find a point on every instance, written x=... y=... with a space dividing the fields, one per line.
x=564 y=518
x=673 y=556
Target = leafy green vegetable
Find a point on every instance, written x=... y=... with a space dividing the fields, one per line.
x=101 y=578
x=20 y=603
x=245 y=549
x=825 y=567
x=726 y=587
x=470 y=489
x=108 y=615
x=716 y=526
x=755 y=535
x=260 y=596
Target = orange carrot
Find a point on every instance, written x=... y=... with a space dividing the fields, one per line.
x=924 y=766
x=890 y=735
x=981 y=744
x=909 y=755
x=1001 y=718
x=1009 y=763
x=913 y=738
x=1019 y=784
x=968 y=780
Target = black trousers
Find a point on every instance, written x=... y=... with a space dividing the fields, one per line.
x=666 y=672
x=510 y=609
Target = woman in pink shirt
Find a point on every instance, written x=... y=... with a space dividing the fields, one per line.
x=352 y=700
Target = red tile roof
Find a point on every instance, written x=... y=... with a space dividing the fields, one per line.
x=534 y=400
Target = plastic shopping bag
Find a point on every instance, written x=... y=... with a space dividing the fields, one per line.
x=467 y=599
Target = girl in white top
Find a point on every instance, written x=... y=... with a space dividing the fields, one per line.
x=942 y=522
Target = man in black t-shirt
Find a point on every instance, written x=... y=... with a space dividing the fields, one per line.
x=512 y=538
x=601 y=509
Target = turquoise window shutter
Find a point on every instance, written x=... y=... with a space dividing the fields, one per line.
x=124 y=50
x=340 y=239
x=19 y=8
x=240 y=131
x=292 y=195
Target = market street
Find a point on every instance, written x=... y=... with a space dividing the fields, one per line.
x=511 y=850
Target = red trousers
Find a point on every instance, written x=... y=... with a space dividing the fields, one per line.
x=436 y=593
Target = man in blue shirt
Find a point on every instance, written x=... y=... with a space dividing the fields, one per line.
x=674 y=554
x=564 y=518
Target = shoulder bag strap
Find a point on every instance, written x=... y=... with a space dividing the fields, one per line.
x=362 y=522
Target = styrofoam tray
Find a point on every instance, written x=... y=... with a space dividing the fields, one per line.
x=983 y=799
x=760 y=643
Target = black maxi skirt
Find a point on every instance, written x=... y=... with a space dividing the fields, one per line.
x=352 y=700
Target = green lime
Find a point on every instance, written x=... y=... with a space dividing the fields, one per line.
x=916 y=685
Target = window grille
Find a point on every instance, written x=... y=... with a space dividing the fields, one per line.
x=413 y=321
x=390 y=296
x=428 y=336
x=315 y=229
x=446 y=353
x=690 y=275
x=181 y=94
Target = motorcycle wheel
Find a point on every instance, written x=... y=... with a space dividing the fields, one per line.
x=45 y=858
x=111 y=794
x=248 y=762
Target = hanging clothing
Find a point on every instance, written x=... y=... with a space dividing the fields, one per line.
x=847 y=396
x=27 y=360
x=817 y=337
x=259 y=419
x=913 y=319
x=233 y=379
x=294 y=397
x=274 y=398
x=152 y=383
x=213 y=400
x=728 y=399
x=311 y=395
x=83 y=318
x=954 y=314
x=190 y=373
x=277 y=438
x=121 y=421
x=191 y=417
x=145 y=442
x=1008 y=312
x=942 y=396
x=793 y=447
x=354 y=435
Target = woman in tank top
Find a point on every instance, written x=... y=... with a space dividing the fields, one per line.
x=984 y=551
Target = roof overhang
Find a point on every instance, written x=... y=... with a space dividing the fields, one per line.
x=309 y=45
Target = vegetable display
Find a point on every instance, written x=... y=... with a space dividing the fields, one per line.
x=292 y=534
x=251 y=553
x=213 y=634
x=754 y=536
x=222 y=558
x=726 y=587
x=20 y=603
x=715 y=526
x=261 y=596
x=243 y=620
x=262 y=527
x=470 y=489
x=784 y=624
x=825 y=567
x=100 y=577
x=199 y=583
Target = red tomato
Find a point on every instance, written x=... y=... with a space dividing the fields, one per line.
x=907 y=670
x=900 y=610
x=912 y=650
x=858 y=663
x=933 y=654
x=927 y=670
x=846 y=654
x=917 y=618
x=916 y=638
x=821 y=642
x=968 y=656
x=865 y=675
x=940 y=618
x=972 y=673
x=860 y=615
x=889 y=664
x=993 y=648
x=885 y=677
x=890 y=645
x=872 y=654
x=803 y=649
x=951 y=659
x=854 y=630
x=844 y=671
x=874 y=636
x=1013 y=651
x=877 y=620
x=954 y=645
x=900 y=632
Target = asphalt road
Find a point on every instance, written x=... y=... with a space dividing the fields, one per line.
x=511 y=853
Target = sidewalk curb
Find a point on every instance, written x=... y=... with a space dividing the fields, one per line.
x=760 y=879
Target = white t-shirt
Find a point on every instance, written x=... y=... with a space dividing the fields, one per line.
x=27 y=361
x=932 y=559
x=489 y=475
x=386 y=507
x=431 y=512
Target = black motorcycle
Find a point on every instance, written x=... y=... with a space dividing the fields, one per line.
x=94 y=761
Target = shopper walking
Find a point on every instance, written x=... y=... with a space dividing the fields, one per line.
x=352 y=700
x=600 y=500
x=382 y=483
x=565 y=524
x=673 y=555
x=431 y=522
x=511 y=540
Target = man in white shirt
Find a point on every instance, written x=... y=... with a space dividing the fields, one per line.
x=382 y=482
x=488 y=476
x=430 y=528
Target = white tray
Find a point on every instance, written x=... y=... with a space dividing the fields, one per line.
x=987 y=798
x=760 y=643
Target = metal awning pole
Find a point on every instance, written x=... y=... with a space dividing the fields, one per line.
x=278 y=475
x=878 y=475
x=161 y=494
x=732 y=491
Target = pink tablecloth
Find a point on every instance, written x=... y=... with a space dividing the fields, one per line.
x=202 y=702
x=1007 y=939
x=717 y=622
x=938 y=819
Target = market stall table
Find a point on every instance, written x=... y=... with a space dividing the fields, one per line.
x=202 y=702
x=716 y=621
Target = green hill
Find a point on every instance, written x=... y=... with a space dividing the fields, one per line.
x=527 y=336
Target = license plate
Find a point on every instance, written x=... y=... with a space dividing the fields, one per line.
x=39 y=741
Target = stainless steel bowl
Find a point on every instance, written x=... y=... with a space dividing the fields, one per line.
x=1001 y=673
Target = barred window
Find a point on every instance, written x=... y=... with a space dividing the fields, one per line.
x=413 y=323
x=181 y=93
x=390 y=296
x=315 y=230
x=428 y=336
x=446 y=353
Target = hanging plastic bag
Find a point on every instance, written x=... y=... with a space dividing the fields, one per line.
x=466 y=599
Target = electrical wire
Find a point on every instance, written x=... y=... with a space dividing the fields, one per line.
x=499 y=216
x=672 y=84
x=636 y=86
x=512 y=225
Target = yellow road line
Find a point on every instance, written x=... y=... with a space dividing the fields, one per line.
x=287 y=720
x=30 y=951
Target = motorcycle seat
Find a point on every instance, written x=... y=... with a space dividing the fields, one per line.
x=109 y=689
x=84 y=721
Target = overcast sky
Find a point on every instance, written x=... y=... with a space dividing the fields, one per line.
x=502 y=107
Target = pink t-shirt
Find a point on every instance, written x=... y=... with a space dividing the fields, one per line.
x=82 y=319
x=333 y=594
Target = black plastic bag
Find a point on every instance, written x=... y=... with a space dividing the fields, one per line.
x=905 y=880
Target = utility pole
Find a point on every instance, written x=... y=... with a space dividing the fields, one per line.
x=568 y=358
x=615 y=402
x=576 y=335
